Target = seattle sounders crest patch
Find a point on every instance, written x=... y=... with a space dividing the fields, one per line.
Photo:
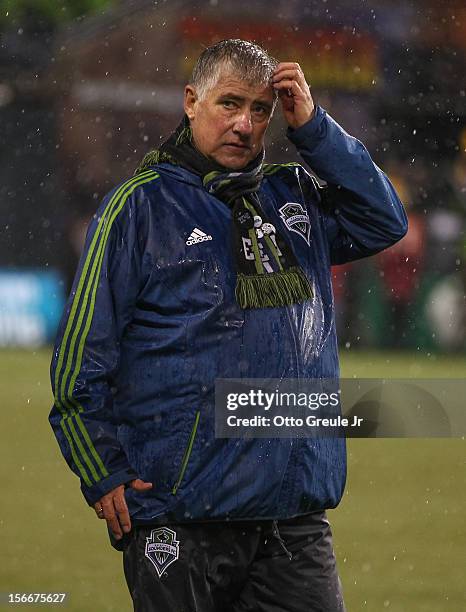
x=296 y=219
x=162 y=548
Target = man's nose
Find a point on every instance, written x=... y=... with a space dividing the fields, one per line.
x=243 y=123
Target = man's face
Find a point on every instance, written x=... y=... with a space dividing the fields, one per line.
x=229 y=123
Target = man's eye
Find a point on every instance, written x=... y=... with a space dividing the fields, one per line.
x=260 y=110
x=228 y=104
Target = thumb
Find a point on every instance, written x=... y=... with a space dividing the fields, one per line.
x=140 y=485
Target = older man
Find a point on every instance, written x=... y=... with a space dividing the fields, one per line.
x=210 y=264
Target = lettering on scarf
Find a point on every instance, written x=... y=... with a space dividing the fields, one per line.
x=249 y=254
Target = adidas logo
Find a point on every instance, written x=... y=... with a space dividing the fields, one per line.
x=197 y=235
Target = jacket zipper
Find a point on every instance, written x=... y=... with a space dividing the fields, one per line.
x=187 y=454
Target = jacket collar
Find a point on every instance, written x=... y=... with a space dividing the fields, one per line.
x=179 y=173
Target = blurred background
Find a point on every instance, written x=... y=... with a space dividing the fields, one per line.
x=86 y=88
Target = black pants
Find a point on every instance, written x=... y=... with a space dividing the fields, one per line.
x=260 y=566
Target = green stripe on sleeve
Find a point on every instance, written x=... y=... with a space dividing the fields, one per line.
x=84 y=455
x=65 y=398
x=76 y=459
x=92 y=289
x=79 y=289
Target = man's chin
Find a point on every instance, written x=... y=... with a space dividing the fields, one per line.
x=234 y=162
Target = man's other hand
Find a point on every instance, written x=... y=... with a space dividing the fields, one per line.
x=112 y=507
x=295 y=95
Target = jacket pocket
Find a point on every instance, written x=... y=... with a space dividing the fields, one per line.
x=187 y=454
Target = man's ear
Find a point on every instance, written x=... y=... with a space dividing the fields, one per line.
x=190 y=99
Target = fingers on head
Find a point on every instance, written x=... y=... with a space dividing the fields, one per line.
x=292 y=67
x=292 y=85
x=287 y=66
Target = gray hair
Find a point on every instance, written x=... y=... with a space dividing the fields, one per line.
x=246 y=59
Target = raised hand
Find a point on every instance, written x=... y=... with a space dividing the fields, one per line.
x=295 y=95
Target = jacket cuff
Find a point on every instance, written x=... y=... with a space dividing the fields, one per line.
x=312 y=131
x=94 y=493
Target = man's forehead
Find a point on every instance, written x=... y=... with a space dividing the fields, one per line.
x=235 y=85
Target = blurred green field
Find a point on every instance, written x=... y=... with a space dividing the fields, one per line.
x=400 y=531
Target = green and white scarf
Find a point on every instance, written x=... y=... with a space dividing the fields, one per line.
x=268 y=274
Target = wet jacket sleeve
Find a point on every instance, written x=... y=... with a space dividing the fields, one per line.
x=363 y=214
x=86 y=354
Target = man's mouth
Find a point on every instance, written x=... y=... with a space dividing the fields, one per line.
x=237 y=145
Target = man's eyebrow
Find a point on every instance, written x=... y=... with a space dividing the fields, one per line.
x=232 y=96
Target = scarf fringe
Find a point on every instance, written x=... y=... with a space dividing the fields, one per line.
x=274 y=289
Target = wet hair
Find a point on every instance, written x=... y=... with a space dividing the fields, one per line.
x=243 y=58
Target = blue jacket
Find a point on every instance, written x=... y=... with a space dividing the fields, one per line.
x=152 y=321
